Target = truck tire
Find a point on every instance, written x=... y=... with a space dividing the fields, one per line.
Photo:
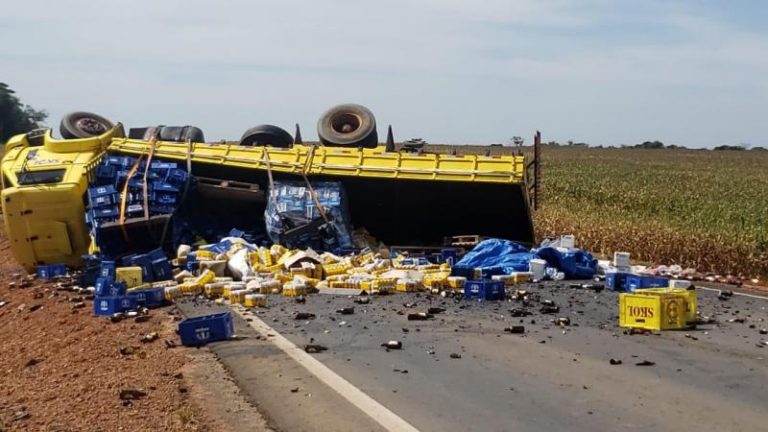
x=83 y=125
x=348 y=125
x=178 y=134
x=267 y=135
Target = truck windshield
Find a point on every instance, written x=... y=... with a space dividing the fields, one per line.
x=40 y=177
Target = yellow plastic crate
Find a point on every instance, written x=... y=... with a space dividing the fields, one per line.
x=650 y=311
x=237 y=296
x=130 y=275
x=292 y=289
x=205 y=255
x=336 y=269
x=690 y=296
x=255 y=300
x=406 y=285
x=172 y=293
x=456 y=282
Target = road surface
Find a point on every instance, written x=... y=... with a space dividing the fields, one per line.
x=460 y=371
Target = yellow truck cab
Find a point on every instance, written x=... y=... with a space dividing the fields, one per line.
x=44 y=180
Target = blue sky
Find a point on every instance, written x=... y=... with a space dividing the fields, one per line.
x=692 y=73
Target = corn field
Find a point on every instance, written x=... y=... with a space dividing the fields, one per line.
x=696 y=208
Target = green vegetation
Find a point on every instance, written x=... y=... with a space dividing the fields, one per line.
x=698 y=208
x=15 y=117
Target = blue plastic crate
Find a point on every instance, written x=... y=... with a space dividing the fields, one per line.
x=134 y=210
x=165 y=198
x=103 y=286
x=51 y=271
x=112 y=305
x=161 y=208
x=100 y=191
x=150 y=297
x=156 y=254
x=162 y=270
x=104 y=200
x=200 y=330
x=177 y=177
x=164 y=187
x=616 y=281
x=105 y=174
x=466 y=272
x=102 y=213
x=108 y=270
x=484 y=289
x=159 y=165
x=145 y=262
x=449 y=256
x=636 y=282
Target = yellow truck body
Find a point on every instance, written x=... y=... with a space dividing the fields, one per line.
x=399 y=197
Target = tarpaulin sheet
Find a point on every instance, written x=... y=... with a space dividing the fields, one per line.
x=497 y=256
x=575 y=263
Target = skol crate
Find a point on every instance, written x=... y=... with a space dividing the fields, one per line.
x=521 y=277
x=131 y=276
x=652 y=311
x=294 y=289
x=484 y=289
x=208 y=328
x=336 y=269
x=255 y=300
x=690 y=296
x=237 y=296
x=112 y=305
x=173 y=292
x=456 y=282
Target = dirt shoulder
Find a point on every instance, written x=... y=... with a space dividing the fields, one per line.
x=62 y=369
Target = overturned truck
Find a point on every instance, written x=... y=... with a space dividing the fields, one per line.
x=99 y=188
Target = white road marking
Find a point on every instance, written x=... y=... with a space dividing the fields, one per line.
x=378 y=412
x=736 y=293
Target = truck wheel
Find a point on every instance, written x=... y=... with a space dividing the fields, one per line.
x=348 y=125
x=83 y=125
x=178 y=134
x=264 y=135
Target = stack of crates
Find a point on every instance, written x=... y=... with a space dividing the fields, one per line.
x=51 y=271
x=154 y=264
x=164 y=183
x=111 y=296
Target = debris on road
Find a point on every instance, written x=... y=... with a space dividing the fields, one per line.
x=393 y=344
x=615 y=361
x=314 y=348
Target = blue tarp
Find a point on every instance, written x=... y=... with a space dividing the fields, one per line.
x=575 y=263
x=497 y=256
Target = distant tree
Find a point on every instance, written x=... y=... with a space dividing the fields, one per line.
x=554 y=143
x=517 y=141
x=15 y=117
x=758 y=149
x=729 y=147
x=570 y=142
x=650 y=145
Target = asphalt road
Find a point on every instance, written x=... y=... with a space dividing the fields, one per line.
x=551 y=377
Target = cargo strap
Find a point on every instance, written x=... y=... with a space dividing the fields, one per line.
x=186 y=189
x=124 y=198
x=146 y=172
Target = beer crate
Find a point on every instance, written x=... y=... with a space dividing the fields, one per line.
x=653 y=311
x=484 y=289
x=200 y=330
x=689 y=295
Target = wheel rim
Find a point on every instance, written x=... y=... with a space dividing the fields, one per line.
x=346 y=123
x=90 y=126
